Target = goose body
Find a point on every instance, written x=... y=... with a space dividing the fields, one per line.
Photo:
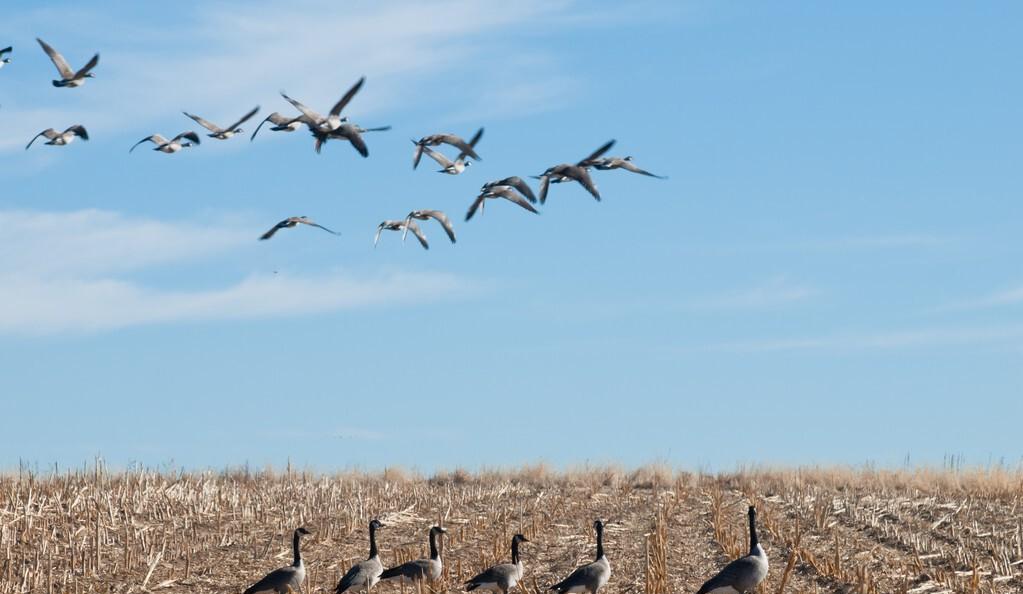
x=439 y=139
x=366 y=574
x=404 y=226
x=506 y=192
x=68 y=78
x=169 y=146
x=281 y=123
x=501 y=578
x=515 y=182
x=350 y=132
x=223 y=133
x=625 y=163
x=285 y=579
x=429 y=569
x=743 y=574
x=292 y=222
x=333 y=119
x=591 y=577
x=573 y=172
x=64 y=138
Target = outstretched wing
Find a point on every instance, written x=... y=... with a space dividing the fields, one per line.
x=630 y=166
x=513 y=197
x=412 y=226
x=57 y=59
x=469 y=151
x=189 y=135
x=520 y=184
x=545 y=184
x=155 y=139
x=582 y=176
x=444 y=221
x=275 y=118
x=273 y=230
x=79 y=131
x=597 y=153
x=438 y=157
x=88 y=66
x=336 y=110
x=309 y=222
x=312 y=115
x=49 y=133
x=204 y=123
x=475 y=206
x=243 y=119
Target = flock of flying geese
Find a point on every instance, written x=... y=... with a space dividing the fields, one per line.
x=334 y=126
x=738 y=577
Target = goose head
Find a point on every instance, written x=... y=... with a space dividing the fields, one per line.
x=377 y=524
x=520 y=538
x=438 y=530
x=303 y=531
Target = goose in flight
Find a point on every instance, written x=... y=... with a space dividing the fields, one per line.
x=4 y=56
x=506 y=192
x=500 y=579
x=402 y=226
x=350 y=132
x=745 y=573
x=290 y=222
x=223 y=133
x=569 y=172
x=61 y=138
x=169 y=146
x=589 y=578
x=286 y=579
x=364 y=575
x=515 y=182
x=68 y=77
x=459 y=164
x=425 y=215
x=419 y=569
x=333 y=120
x=281 y=123
x=439 y=139
x=608 y=163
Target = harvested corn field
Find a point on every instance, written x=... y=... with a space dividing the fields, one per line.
x=824 y=530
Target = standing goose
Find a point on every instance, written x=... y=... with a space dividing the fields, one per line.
x=4 y=60
x=366 y=574
x=169 y=146
x=500 y=579
x=333 y=120
x=350 y=132
x=577 y=172
x=439 y=139
x=68 y=78
x=459 y=164
x=506 y=192
x=420 y=568
x=625 y=163
x=402 y=226
x=591 y=577
x=61 y=138
x=425 y=215
x=292 y=222
x=223 y=133
x=514 y=181
x=743 y=574
x=286 y=579
x=281 y=123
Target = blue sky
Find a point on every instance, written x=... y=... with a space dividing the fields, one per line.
x=831 y=273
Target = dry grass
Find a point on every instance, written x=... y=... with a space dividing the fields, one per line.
x=825 y=530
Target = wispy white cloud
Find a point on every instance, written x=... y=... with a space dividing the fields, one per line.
x=777 y=292
x=221 y=60
x=66 y=272
x=881 y=340
x=1003 y=298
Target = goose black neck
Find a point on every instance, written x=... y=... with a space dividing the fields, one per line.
x=372 y=541
x=515 y=551
x=753 y=542
x=294 y=544
x=433 y=545
x=600 y=541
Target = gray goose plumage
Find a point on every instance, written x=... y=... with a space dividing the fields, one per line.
x=608 y=163
x=506 y=192
x=222 y=133
x=169 y=146
x=569 y=172
x=745 y=573
x=500 y=579
x=4 y=59
x=420 y=568
x=426 y=215
x=291 y=222
x=403 y=225
x=346 y=131
x=281 y=123
x=459 y=164
x=439 y=139
x=68 y=77
x=514 y=181
x=286 y=579
x=591 y=577
x=333 y=120
x=61 y=138
x=366 y=574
